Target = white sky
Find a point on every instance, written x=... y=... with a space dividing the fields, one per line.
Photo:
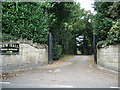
x=86 y=4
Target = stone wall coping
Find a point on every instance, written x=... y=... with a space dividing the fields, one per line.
x=30 y=42
x=103 y=47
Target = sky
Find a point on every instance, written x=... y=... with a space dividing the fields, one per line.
x=86 y=4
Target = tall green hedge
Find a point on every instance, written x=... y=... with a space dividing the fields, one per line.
x=25 y=20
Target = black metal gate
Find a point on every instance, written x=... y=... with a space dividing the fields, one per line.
x=95 y=48
x=50 y=48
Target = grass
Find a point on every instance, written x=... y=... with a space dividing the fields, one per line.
x=67 y=57
x=57 y=63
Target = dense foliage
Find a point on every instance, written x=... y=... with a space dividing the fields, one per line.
x=65 y=20
x=72 y=22
x=106 y=23
x=114 y=33
x=25 y=20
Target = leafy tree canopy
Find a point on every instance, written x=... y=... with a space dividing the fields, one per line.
x=106 y=22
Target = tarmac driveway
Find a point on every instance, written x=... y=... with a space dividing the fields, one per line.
x=76 y=72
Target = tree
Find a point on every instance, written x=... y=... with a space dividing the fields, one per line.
x=107 y=15
x=71 y=22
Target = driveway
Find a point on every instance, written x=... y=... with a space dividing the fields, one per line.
x=75 y=72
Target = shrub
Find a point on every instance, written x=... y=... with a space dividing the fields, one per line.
x=7 y=37
x=113 y=36
x=57 y=51
x=114 y=33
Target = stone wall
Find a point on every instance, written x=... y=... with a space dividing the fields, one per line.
x=109 y=57
x=30 y=55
